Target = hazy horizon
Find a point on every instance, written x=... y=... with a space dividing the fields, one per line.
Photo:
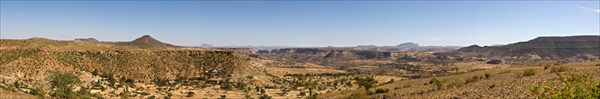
x=301 y=23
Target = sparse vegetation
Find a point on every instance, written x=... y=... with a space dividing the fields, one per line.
x=528 y=72
x=487 y=75
x=558 y=69
x=473 y=79
x=453 y=84
x=574 y=86
x=264 y=96
x=37 y=92
x=365 y=82
x=126 y=72
x=436 y=82
x=381 y=90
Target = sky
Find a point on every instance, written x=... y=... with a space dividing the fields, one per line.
x=301 y=23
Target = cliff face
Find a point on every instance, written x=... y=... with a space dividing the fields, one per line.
x=544 y=47
x=321 y=55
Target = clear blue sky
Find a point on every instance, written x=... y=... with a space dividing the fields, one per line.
x=301 y=23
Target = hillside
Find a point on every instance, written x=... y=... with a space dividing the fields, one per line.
x=31 y=61
x=543 y=47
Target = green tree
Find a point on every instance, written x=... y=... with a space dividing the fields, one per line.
x=311 y=85
x=365 y=82
x=63 y=83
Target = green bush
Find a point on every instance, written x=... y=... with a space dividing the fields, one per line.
x=575 y=86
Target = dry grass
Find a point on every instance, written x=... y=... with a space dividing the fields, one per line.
x=500 y=83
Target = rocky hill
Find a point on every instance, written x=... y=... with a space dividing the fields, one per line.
x=543 y=47
x=147 y=41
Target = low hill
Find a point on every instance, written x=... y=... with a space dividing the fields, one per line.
x=543 y=47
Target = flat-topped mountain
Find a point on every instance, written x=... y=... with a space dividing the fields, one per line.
x=543 y=47
x=88 y=40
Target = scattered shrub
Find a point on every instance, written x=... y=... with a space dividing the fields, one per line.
x=494 y=62
x=504 y=72
x=492 y=86
x=473 y=79
x=437 y=83
x=95 y=72
x=406 y=85
x=264 y=96
x=223 y=97
x=487 y=76
x=190 y=94
x=381 y=90
x=152 y=97
x=37 y=92
x=389 y=82
x=558 y=69
x=575 y=86
x=357 y=95
x=17 y=85
x=453 y=84
x=529 y=72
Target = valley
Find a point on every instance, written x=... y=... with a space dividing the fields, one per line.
x=147 y=68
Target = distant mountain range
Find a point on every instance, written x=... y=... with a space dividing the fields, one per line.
x=543 y=47
x=401 y=47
